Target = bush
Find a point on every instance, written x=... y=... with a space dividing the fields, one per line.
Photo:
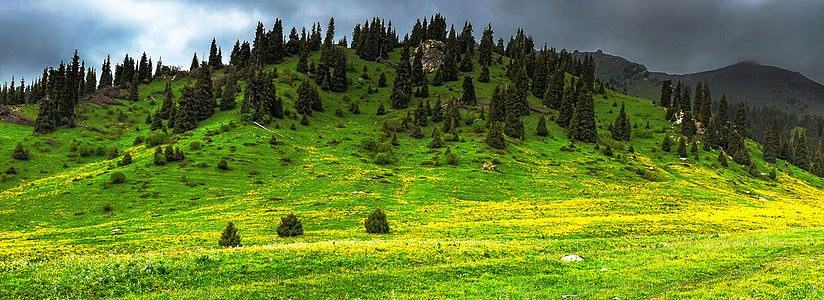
x=19 y=153
x=112 y=152
x=11 y=170
x=773 y=174
x=118 y=177
x=155 y=138
x=107 y=206
x=223 y=165
x=451 y=158
x=290 y=226
x=369 y=144
x=195 y=145
x=376 y=223
x=229 y=237
x=384 y=158
x=126 y=160
x=478 y=126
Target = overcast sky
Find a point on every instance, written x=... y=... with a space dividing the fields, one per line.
x=669 y=36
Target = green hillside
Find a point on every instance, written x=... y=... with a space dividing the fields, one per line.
x=646 y=223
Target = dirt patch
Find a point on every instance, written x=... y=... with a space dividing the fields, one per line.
x=13 y=115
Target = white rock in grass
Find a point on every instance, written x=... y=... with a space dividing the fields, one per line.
x=603 y=270
x=572 y=258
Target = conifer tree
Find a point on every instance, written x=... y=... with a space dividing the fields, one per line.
x=802 y=157
x=541 y=130
x=106 y=73
x=682 y=147
x=45 y=116
x=157 y=122
x=377 y=223
x=339 y=82
x=133 y=91
x=484 y=77
x=554 y=94
x=186 y=116
x=486 y=47
x=19 y=152
x=741 y=120
x=214 y=59
x=514 y=127
x=204 y=97
x=437 y=111
x=195 y=63
x=688 y=125
x=418 y=75
x=621 y=128
x=495 y=137
x=567 y=108
x=772 y=143
x=468 y=97
x=290 y=225
x=666 y=144
x=582 y=125
x=381 y=111
x=466 y=63
x=227 y=100
x=722 y=158
x=436 y=142
x=229 y=237
x=666 y=93
x=303 y=66
x=168 y=101
x=306 y=97
x=449 y=68
x=382 y=80
x=126 y=160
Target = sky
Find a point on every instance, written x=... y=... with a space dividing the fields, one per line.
x=668 y=36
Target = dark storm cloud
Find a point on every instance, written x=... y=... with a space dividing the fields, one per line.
x=669 y=36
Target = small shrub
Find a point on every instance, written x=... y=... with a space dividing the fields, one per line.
x=229 y=237
x=155 y=138
x=223 y=165
x=384 y=158
x=290 y=225
x=118 y=178
x=369 y=144
x=112 y=152
x=451 y=158
x=19 y=153
x=376 y=223
x=107 y=206
x=126 y=160
x=11 y=170
x=195 y=145
x=773 y=174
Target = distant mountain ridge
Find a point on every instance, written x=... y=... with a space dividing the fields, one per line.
x=757 y=84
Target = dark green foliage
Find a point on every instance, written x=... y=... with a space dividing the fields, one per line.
x=107 y=206
x=166 y=108
x=688 y=127
x=497 y=107
x=621 y=129
x=666 y=93
x=148 y=119
x=772 y=143
x=19 y=153
x=381 y=111
x=567 y=109
x=126 y=160
x=229 y=237
x=134 y=95
x=722 y=158
x=773 y=174
x=437 y=79
x=45 y=116
x=215 y=57
x=159 y=157
x=449 y=68
x=818 y=165
x=417 y=133
x=399 y=99
x=468 y=97
x=308 y=98
x=436 y=142
x=302 y=66
x=541 y=130
x=486 y=47
x=682 y=147
x=204 y=99
x=117 y=178
x=157 y=123
x=173 y=154
x=222 y=164
x=111 y=153
x=582 y=124
x=554 y=93
x=227 y=100
x=186 y=116
x=607 y=151
x=377 y=223
x=451 y=158
x=495 y=137
x=339 y=83
x=802 y=156
x=666 y=144
x=467 y=64
x=741 y=120
x=694 y=148
x=382 y=80
x=290 y=225
x=484 y=77
x=354 y=107
x=11 y=170
x=304 y=120
x=753 y=169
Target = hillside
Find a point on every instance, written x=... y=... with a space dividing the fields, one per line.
x=647 y=223
x=749 y=81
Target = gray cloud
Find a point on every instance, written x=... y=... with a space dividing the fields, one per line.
x=669 y=36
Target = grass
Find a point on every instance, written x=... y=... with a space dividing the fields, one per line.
x=664 y=228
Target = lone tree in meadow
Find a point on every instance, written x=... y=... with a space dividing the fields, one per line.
x=495 y=138
x=666 y=145
x=376 y=223
x=229 y=237
x=682 y=147
x=468 y=97
x=223 y=165
x=436 y=142
x=290 y=225
x=541 y=130
x=19 y=153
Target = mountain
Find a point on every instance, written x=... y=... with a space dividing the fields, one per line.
x=749 y=81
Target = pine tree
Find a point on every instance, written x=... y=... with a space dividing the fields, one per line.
x=466 y=63
x=307 y=94
x=195 y=63
x=486 y=47
x=449 y=67
x=302 y=66
x=436 y=142
x=134 y=95
x=802 y=156
x=204 y=97
x=382 y=80
x=381 y=111
x=437 y=111
x=495 y=137
x=227 y=100
x=621 y=128
x=156 y=123
x=45 y=116
x=567 y=108
x=290 y=225
x=168 y=101
x=229 y=237
x=722 y=117
x=682 y=147
x=484 y=77
x=688 y=125
x=339 y=82
x=214 y=59
x=722 y=158
x=468 y=97
x=186 y=116
x=377 y=223
x=666 y=93
x=541 y=130
x=19 y=152
x=666 y=144
x=741 y=120
x=582 y=125
x=772 y=143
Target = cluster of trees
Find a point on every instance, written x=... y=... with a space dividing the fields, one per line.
x=374 y=40
x=290 y=225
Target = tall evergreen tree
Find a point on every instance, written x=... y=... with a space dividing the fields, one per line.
x=682 y=147
x=468 y=97
x=227 y=100
x=554 y=94
x=204 y=97
x=486 y=47
x=621 y=129
x=802 y=156
x=195 y=63
x=214 y=59
x=106 y=73
x=567 y=108
x=666 y=93
x=495 y=137
x=722 y=117
x=186 y=117
x=168 y=101
x=449 y=67
x=308 y=96
x=582 y=124
x=688 y=128
x=772 y=143
x=541 y=129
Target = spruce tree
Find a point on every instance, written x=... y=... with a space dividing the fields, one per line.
x=567 y=109
x=582 y=125
x=19 y=152
x=484 y=77
x=541 y=130
x=682 y=147
x=722 y=158
x=772 y=143
x=306 y=97
x=168 y=101
x=229 y=237
x=339 y=82
x=290 y=225
x=45 y=116
x=436 y=142
x=133 y=92
x=382 y=80
x=468 y=97
x=688 y=125
x=204 y=97
x=157 y=122
x=495 y=137
x=554 y=93
x=802 y=156
x=126 y=160
x=621 y=128
x=377 y=223
x=449 y=67
x=186 y=116
x=227 y=100
x=666 y=93
x=666 y=144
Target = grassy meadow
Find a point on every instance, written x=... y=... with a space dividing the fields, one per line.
x=648 y=224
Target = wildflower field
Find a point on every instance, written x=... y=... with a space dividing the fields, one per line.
x=646 y=223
